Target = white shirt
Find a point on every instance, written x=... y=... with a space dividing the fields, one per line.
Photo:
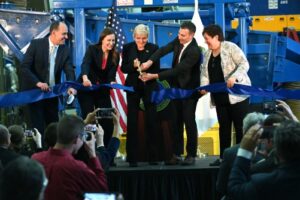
x=52 y=55
x=183 y=48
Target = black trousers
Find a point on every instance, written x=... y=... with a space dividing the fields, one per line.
x=89 y=100
x=43 y=113
x=151 y=123
x=185 y=115
x=226 y=115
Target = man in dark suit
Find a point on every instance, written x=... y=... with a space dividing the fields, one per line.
x=185 y=73
x=283 y=182
x=230 y=153
x=44 y=61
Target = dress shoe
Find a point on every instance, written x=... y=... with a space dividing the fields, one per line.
x=189 y=160
x=215 y=163
x=133 y=164
x=175 y=160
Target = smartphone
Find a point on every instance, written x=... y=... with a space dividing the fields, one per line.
x=28 y=133
x=105 y=113
x=99 y=196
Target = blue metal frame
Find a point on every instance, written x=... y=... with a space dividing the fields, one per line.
x=10 y=43
x=80 y=36
x=71 y=4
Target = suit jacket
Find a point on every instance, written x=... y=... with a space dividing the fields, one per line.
x=187 y=72
x=228 y=158
x=282 y=183
x=130 y=53
x=7 y=155
x=92 y=66
x=35 y=65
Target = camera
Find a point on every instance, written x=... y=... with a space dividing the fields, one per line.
x=269 y=107
x=89 y=129
x=105 y=113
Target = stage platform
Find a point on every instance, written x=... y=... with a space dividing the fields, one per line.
x=162 y=182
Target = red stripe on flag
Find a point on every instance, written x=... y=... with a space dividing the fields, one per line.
x=119 y=99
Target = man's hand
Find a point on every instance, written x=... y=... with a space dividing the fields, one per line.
x=72 y=91
x=90 y=146
x=285 y=110
x=99 y=136
x=230 y=82
x=250 y=139
x=146 y=65
x=37 y=137
x=43 y=86
x=147 y=77
x=91 y=117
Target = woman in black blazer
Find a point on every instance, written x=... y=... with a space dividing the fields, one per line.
x=99 y=66
x=135 y=53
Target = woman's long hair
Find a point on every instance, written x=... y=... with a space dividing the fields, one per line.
x=104 y=33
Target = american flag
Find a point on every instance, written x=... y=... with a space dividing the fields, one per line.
x=118 y=96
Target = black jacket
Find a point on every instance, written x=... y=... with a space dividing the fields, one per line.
x=187 y=72
x=35 y=65
x=92 y=66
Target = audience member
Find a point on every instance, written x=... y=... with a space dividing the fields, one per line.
x=283 y=182
x=6 y=155
x=23 y=179
x=50 y=135
x=70 y=178
x=25 y=142
x=230 y=154
x=265 y=147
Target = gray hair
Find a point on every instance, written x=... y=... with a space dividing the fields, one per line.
x=141 y=29
x=252 y=119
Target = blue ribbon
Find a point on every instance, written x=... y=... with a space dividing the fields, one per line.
x=176 y=93
x=30 y=96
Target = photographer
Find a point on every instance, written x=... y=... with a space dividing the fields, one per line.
x=105 y=154
x=71 y=178
x=25 y=142
x=266 y=147
x=283 y=182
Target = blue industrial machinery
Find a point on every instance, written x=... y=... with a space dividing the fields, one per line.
x=272 y=58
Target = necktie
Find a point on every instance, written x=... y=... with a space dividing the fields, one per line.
x=52 y=55
x=178 y=54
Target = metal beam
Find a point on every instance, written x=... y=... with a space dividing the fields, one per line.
x=66 y=4
x=80 y=36
x=165 y=15
x=10 y=43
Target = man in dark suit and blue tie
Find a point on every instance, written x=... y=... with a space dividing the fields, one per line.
x=185 y=74
x=44 y=61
